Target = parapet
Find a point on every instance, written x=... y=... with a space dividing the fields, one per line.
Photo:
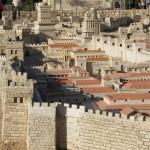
x=43 y=104
x=43 y=109
x=36 y=45
x=103 y=115
x=2 y=58
x=14 y=43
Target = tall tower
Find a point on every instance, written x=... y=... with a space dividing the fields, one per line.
x=17 y=93
x=44 y=22
x=91 y=24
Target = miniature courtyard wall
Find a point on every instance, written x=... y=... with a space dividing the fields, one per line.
x=41 y=127
x=77 y=129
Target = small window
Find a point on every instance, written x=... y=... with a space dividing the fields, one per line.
x=125 y=100
x=98 y=40
x=15 y=51
x=116 y=63
x=15 y=99
x=105 y=42
x=76 y=100
x=84 y=99
x=120 y=45
x=21 y=100
x=113 y=43
x=11 y=51
x=142 y=100
x=114 y=101
x=139 y=49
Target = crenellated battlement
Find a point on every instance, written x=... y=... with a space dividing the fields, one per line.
x=36 y=45
x=16 y=43
x=34 y=67
x=2 y=58
x=104 y=115
x=90 y=113
x=43 y=104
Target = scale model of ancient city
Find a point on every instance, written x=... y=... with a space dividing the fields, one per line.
x=75 y=78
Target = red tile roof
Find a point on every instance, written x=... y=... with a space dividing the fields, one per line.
x=130 y=96
x=63 y=81
x=80 y=77
x=76 y=68
x=62 y=45
x=98 y=59
x=116 y=74
x=58 y=72
x=88 y=82
x=70 y=58
x=98 y=90
x=148 y=44
x=88 y=51
x=130 y=74
x=104 y=106
x=137 y=84
x=128 y=110
x=106 y=77
x=79 y=69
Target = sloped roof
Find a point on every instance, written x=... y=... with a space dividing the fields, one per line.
x=130 y=96
x=128 y=110
x=98 y=90
x=106 y=77
x=137 y=84
x=104 y=106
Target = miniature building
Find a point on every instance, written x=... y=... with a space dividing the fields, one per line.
x=91 y=24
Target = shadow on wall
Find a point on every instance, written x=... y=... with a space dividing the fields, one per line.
x=61 y=129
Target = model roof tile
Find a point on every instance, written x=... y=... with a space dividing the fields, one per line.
x=87 y=51
x=98 y=90
x=63 y=45
x=130 y=74
x=88 y=82
x=98 y=59
x=58 y=72
x=106 y=77
x=131 y=96
x=79 y=69
x=137 y=85
x=128 y=110
x=104 y=106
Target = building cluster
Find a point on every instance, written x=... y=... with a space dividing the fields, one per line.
x=58 y=81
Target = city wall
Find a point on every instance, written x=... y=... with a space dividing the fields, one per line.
x=77 y=129
x=61 y=127
x=67 y=13
x=41 y=127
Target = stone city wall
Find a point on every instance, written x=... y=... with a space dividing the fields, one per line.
x=77 y=129
x=41 y=127
x=51 y=127
x=67 y=13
